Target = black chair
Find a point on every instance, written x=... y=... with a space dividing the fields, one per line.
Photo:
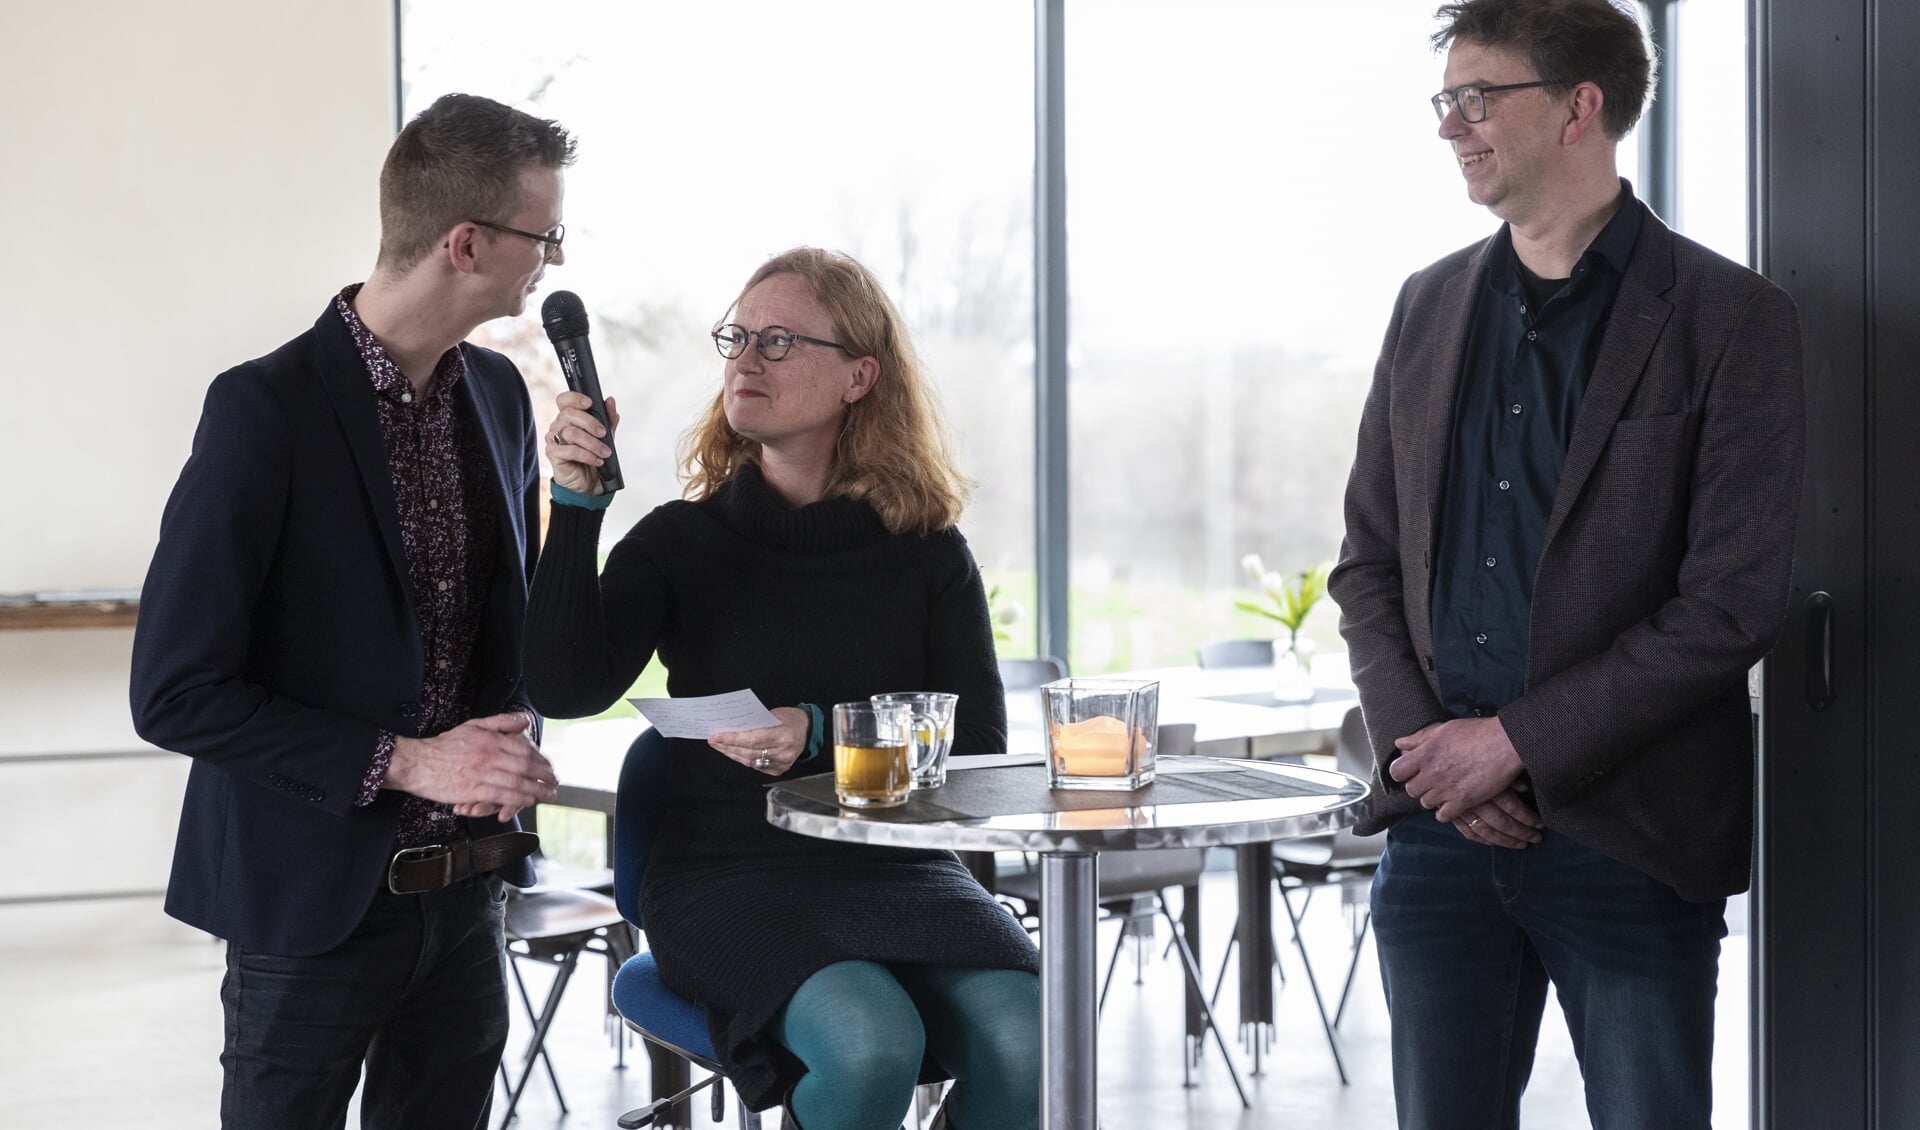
x=1236 y=653
x=554 y=927
x=1015 y=675
x=1132 y=889
x=1341 y=860
x=1026 y=674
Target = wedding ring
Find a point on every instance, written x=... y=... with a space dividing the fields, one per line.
x=1474 y=823
x=762 y=761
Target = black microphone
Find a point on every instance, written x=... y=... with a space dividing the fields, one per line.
x=565 y=317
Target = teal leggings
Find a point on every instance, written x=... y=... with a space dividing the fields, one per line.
x=862 y=1028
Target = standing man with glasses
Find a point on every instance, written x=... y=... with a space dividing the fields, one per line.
x=1569 y=535
x=331 y=629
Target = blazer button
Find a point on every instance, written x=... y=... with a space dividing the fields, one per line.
x=408 y=710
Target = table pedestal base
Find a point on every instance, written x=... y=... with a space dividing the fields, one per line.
x=1069 y=1006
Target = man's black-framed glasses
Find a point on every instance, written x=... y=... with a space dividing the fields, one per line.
x=773 y=342
x=549 y=243
x=1471 y=101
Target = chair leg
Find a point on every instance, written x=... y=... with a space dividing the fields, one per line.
x=1353 y=964
x=1191 y=968
x=659 y=1112
x=1112 y=964
x=669 y=1073
x=1333 y=1043
x=553 y=1077
x=1226 y=959
x=539 y=1041
x=1139 y=955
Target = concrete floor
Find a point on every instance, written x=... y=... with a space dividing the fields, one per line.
x=122 y=1028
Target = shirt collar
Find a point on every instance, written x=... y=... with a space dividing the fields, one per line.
x=388 y=380
x=1613 y=246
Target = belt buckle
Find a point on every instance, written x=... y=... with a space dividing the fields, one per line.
x=422 y=854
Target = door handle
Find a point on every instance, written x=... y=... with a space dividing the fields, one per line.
x=1820 y=693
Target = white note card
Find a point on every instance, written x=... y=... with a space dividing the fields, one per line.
x=706 y=715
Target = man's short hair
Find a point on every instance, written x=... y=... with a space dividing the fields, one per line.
x=459 y=160
x=1568 y=42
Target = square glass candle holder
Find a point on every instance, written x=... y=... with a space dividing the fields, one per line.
x=1101 y=733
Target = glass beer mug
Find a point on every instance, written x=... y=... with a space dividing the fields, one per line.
x=874 y=754
x=932 y=726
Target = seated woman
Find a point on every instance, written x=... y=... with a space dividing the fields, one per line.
x=815 y=561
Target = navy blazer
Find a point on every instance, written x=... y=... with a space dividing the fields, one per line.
x=277 y=635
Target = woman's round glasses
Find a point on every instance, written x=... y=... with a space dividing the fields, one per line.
x=773 y=342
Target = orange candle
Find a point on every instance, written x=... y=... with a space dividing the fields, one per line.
x=1096 y=747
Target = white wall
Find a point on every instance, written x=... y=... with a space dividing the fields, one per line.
x=182 y=188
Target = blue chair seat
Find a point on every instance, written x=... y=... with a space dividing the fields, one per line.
x=671 y=1019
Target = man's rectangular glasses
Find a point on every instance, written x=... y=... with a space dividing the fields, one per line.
x=549 y=243
x=1472 y=100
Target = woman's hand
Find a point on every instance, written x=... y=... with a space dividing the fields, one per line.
x=575 y=449
x=772 y=750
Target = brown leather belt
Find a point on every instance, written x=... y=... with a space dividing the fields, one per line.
x=417 y=870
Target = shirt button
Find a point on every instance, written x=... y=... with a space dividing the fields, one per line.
x=442 y=586
x=1531 y=334
x=1481 y=638
x=407 y=397
x=433 y=504
x=1489 y=562
x=1505 y=485
x=440 y=663
x=1515 y=410
x=1523 y=309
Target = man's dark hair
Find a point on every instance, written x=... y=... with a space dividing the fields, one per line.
x=1568 y=42
x=460 y=159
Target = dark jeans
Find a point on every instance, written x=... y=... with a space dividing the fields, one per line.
x=417 y=994
x=1470 y=935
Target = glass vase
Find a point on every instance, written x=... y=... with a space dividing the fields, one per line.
x=1293 y=670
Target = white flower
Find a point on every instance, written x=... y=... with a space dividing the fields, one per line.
x=1253 y=567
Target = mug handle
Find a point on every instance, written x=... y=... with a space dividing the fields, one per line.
x=921 y=754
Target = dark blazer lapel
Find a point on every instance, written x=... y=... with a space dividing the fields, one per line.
x=1458 y=300
x=343 y=374
x=474 y=401
x=1639 y=315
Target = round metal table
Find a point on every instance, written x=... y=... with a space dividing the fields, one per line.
x=1194 y=802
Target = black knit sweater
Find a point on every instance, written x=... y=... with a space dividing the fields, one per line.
x=816 y=604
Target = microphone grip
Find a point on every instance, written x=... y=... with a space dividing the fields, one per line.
x=576 y=364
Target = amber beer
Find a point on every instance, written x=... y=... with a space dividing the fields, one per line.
x=871 y=776
x=873 y=754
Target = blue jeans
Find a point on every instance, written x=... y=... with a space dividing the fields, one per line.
x=1470 y=935
x=417 y=994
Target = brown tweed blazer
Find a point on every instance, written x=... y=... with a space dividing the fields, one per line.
x=1664 y=575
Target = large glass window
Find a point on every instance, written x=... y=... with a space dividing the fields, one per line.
x=1710 y=102
x=713 y=135
x=1249 y=184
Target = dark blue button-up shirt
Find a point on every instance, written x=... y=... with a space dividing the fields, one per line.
x=1526 y=369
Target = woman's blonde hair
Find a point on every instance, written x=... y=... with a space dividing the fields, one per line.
x=893 y=451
